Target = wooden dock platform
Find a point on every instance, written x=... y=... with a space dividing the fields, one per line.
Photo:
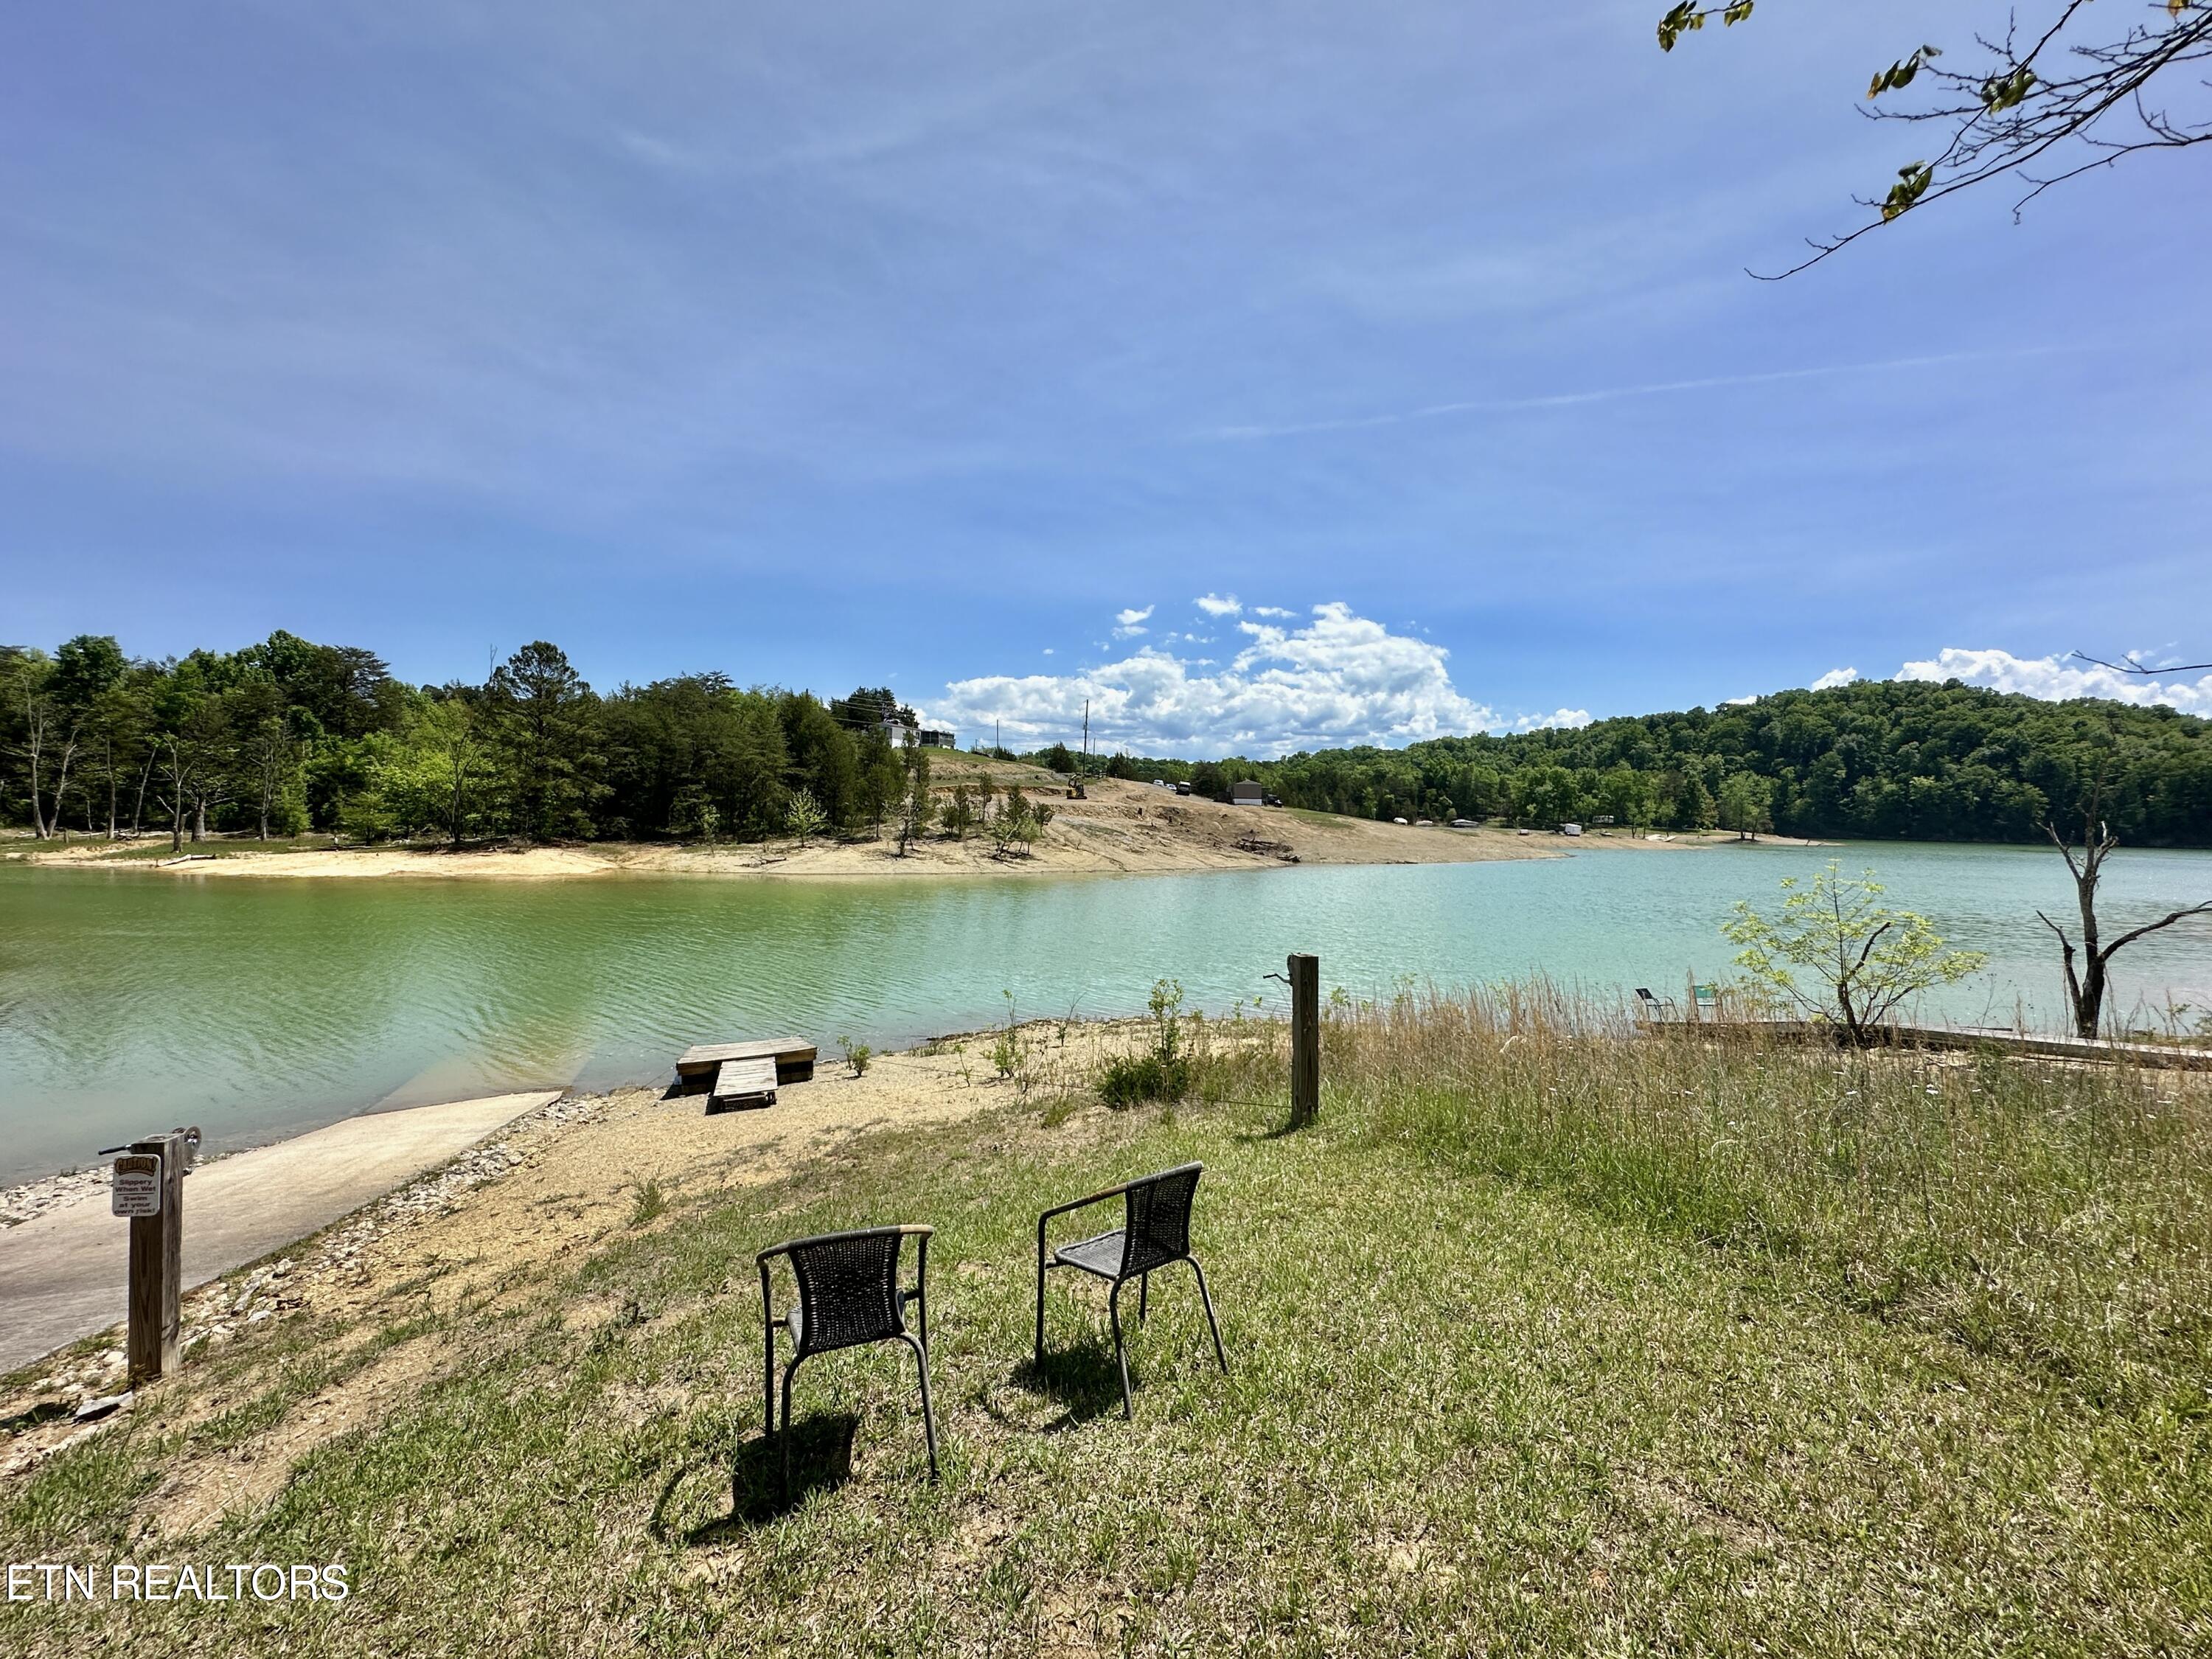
x=794 y=1059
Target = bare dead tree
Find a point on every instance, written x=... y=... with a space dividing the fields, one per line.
x=2060 y=99
x=2130 y=665
x=2086 y=984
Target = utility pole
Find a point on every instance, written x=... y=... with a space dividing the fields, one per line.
x=1086 y=736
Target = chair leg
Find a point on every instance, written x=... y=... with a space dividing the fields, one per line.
x=787 y=1375
x=767 y=1383
x=1039 y=1311
x=1144 y=1295
x=1212 y=1323
x=1121 y=1352
x=928 y=1423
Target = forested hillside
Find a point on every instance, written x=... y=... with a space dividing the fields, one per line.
x=287 y=735
x=1878 y=759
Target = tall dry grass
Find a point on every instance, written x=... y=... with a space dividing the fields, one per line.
x=2058 y=1214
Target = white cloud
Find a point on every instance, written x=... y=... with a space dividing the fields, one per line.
x=1219 y=604
x=1272 y=610
x=2057 y=677
x=1567 y=719
x=1130 y=622
x=1834 y=677
x=1740 y=702
x=1339 y=678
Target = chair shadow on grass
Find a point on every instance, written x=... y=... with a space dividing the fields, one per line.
x=821 y=1460
x=1081 y=1379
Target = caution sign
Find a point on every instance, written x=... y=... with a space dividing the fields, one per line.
x=137 y=1188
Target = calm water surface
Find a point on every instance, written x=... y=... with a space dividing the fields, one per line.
x=130 y=1002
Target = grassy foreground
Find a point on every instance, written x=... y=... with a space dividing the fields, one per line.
x=1541 y=1342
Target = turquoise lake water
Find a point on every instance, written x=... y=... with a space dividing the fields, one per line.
x=130 y=1002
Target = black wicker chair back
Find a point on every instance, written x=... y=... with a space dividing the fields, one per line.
x=1159 y=1227
x=849 y=1294
x=847 y=1290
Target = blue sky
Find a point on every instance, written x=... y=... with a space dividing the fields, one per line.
x=930 y=345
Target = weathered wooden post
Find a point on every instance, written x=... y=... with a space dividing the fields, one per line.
x=1305 y=1039
x=149 y=1187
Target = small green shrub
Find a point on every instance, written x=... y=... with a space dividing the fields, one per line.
x=647 y=1203
x=857 y=1055
x=1127 y=1080
x=1164 y=1070
x=1009 y=1052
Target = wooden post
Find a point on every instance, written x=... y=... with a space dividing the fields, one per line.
x=1305 y=1039
x=157 y=1244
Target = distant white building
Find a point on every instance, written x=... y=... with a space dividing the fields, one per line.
x=929 y=737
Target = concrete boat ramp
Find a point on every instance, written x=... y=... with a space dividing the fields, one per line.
x=61 y=1274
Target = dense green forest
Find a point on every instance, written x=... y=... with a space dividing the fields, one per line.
x=287 y=735
x=1880 y=759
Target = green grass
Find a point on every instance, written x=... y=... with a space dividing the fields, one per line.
x=1538 y=1343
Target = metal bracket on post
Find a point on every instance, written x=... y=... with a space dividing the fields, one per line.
x=1305 y=1039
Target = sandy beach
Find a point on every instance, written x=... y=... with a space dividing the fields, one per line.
x=1120 y=827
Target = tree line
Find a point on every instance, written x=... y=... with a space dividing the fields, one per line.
x=289 y=736
x=1877 y=760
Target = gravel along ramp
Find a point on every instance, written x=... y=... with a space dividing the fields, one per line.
x=61 y=1274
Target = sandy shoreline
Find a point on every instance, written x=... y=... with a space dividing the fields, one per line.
x=546 y=1183
x=62 y=1272
x=1124 y=828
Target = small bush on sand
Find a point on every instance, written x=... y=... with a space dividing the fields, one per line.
x=648 y=1203
x=1164 y=1070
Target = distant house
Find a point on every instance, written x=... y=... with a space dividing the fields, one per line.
x=928 y=737
x=1247 y=794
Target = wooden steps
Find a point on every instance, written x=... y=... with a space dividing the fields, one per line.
x=743 y=1082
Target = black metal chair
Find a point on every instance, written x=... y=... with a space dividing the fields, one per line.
x=849 y=1294
x=1155 y=1234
